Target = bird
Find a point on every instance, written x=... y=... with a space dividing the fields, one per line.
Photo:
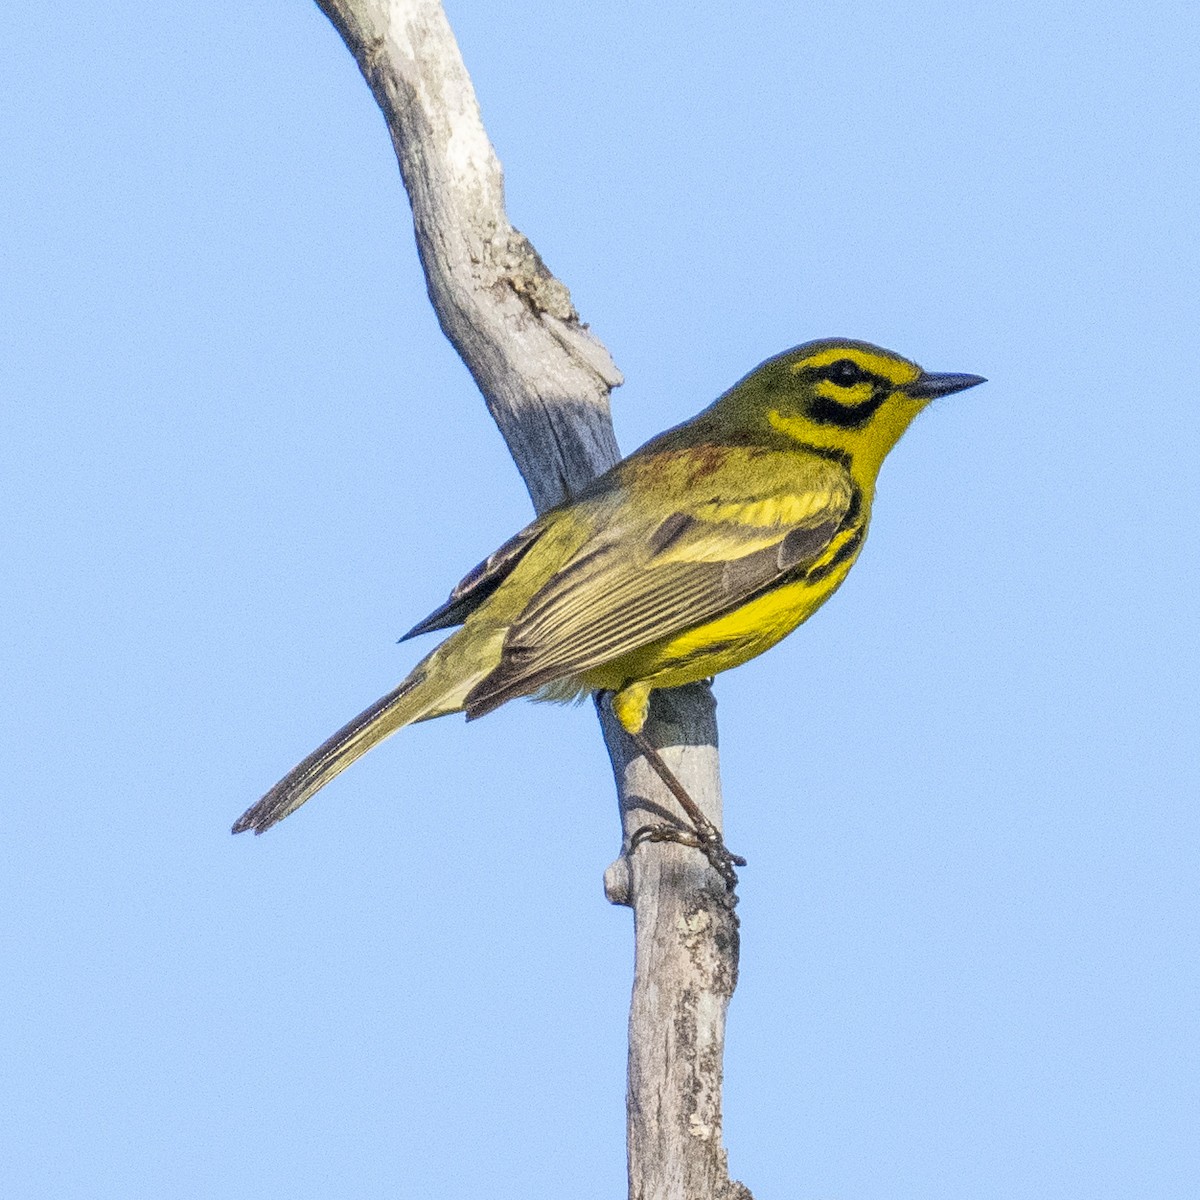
x=697 y=552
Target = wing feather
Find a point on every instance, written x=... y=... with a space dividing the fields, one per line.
x=631 y=586
x=480 y=582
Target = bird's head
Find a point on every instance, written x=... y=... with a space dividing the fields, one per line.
x=838 y=396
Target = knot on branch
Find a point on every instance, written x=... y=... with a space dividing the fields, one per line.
x=520 y=266
x=618 y=882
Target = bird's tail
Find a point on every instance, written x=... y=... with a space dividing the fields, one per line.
x=430 y=691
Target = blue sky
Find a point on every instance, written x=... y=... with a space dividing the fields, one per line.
x=238 y=460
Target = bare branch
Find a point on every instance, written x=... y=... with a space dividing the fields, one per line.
x=686 y=963
x=546 y=381
x=545 y=378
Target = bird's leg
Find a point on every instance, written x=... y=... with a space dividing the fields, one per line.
x=704 y=835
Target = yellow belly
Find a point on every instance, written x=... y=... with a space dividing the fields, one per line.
x=724 y=642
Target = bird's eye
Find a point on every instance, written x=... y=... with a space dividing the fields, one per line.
x=844 y=373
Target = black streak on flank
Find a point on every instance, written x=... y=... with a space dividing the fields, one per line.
x=849 y=546
x=701 y=652
x=854 y=508
x=845 y=550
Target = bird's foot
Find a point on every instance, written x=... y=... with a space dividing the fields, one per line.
x=703 y=835
x=706 y=838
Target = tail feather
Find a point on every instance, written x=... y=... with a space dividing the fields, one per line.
x=333 y=756
x=438 y=685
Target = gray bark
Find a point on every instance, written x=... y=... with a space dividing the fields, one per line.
x=546 y=381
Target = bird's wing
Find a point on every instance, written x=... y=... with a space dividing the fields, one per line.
x=635 y=583
x=480 y=582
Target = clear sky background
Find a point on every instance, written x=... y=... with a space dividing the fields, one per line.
x=238 y=460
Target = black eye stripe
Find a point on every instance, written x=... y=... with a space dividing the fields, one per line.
x=845 y=373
